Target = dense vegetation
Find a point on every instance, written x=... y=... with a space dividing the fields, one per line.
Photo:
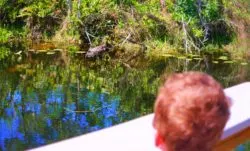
x=160 y=27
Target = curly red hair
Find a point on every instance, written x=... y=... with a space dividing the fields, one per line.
x=191 y=111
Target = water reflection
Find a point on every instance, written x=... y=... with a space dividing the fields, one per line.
x=45 y=99
x=32 y=121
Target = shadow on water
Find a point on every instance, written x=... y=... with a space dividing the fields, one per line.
x=49 y=97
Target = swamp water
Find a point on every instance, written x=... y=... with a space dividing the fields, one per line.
x=48 y=97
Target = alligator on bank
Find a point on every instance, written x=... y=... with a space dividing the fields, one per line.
x=93 y=52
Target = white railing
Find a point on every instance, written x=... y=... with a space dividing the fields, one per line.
x=138 y=134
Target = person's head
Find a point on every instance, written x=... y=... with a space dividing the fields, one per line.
x=191 y=111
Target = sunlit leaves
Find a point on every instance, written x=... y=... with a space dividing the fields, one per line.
x=197 y=15
x=5 y=35
x=40 y=8
x=4 y=52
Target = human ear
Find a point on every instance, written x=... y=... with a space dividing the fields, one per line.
x=158 y=140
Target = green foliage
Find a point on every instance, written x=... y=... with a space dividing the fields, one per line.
x=188 y=11
x=119 y=21
x=4 y=52
x=211 y=10
x=243 y=147
x=5 y=35
x=90 y=7
x=72 y=48
x=9 y=11
x=125 y=2
x=40 y=17
x=247 y=145
x=42 y=8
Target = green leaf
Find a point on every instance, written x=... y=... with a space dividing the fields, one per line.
x=228 y=62
x=223 y=58
x=244 y=63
